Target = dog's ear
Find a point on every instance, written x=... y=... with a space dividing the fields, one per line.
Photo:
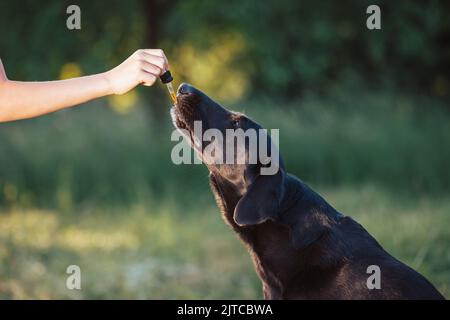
x=262 y=200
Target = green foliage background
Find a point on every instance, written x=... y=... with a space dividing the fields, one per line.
x=291 y=46
x=363 y=118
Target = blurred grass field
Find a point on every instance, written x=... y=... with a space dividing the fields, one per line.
x=170 y=252
x=97 y=189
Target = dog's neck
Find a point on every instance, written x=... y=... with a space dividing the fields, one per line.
x=276 y=258
x=270 y=244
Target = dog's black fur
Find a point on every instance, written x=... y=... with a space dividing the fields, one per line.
x=302 y=247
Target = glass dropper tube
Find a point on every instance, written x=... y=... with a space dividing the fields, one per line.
x=172 y=94
x=167 y=79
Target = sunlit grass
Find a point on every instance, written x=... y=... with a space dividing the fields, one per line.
x=160 y=250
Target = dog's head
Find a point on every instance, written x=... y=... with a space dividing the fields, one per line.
x=246 y=171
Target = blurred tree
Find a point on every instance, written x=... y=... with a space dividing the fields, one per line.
x=36 y=42
x=290 y=46
x=155 y=13
x=295 y=46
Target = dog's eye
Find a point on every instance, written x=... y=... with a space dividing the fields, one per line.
x=235 y=123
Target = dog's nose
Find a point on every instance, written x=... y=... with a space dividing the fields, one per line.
x=185 y=88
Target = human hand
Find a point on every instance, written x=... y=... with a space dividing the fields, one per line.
x=142 y=67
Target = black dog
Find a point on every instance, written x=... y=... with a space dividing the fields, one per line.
x=302 y=247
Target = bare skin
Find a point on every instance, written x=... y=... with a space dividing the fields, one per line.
x=22 y=100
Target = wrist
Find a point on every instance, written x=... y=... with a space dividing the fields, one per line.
x=107 y=82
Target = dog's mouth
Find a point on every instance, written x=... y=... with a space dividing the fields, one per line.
x=186 y=111
x=182 y=116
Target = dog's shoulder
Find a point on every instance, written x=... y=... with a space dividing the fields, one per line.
x=338 y=241
x=313 y=220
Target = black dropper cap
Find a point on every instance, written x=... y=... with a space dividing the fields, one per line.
x=166 y=77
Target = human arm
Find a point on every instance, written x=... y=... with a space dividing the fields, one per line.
x=21 y=100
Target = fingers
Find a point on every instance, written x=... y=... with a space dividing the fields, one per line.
x=150 y=68
x=160 y=54
x=147 y=79
x=148 y=73
x=151 y=63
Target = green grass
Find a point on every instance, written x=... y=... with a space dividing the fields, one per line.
x=159 y=250
x=93 y=188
